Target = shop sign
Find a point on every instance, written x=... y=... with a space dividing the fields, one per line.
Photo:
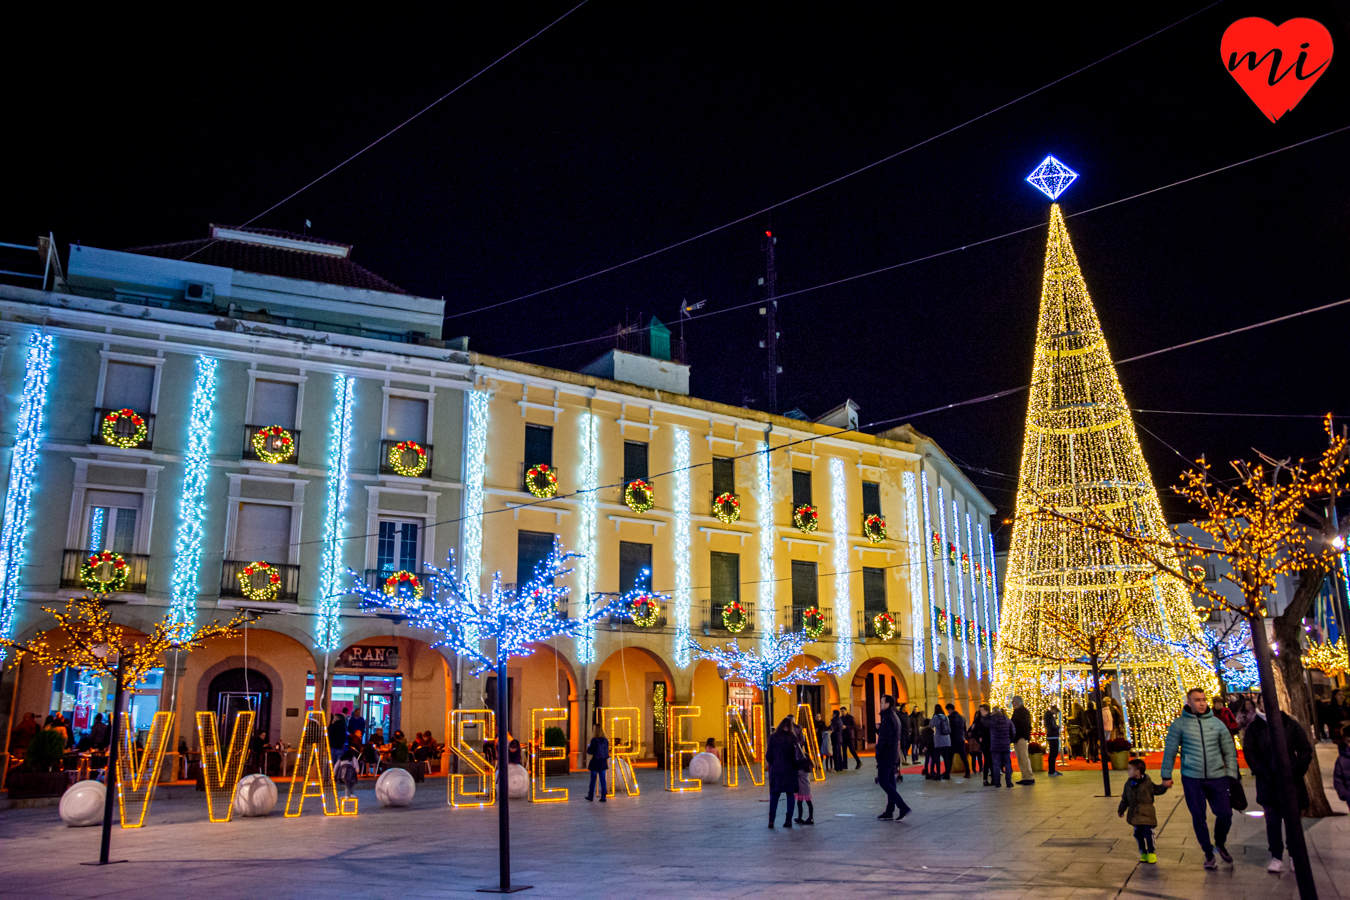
x=368 y=658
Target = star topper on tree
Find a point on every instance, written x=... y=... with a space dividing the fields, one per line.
x=514 y=619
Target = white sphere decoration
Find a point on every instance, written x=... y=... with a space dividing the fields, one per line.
x=256 y=795
x=82 y=804
x=706 y=767
x=517 y=782
x=395 y=787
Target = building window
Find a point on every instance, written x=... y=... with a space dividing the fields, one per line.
x=801 y=489
x=871 y=499
x=262 y=533
x=406 y=419
x=634 y=461
x=538 y=445
x=633 y=560
x=532 y=549
x=804 y=584
x=128 y=386
x=398 y=547
x=874 y=591
x=110 y=521
x=724 y=476
x=274 y=403
x=726 y=581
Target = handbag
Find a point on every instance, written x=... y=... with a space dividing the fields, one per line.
x=1237 y=797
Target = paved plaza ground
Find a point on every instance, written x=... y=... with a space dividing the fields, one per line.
x=1053 y=840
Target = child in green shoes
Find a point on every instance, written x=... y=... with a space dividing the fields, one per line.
x=1138 y=799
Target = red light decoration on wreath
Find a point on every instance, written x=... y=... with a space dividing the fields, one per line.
x=399 y=453
x=271 y=584
x=727 y=508
x=734 y=618
x=813 y=622
x=965 y=563
x=273 y=444
x=402 y=583
x=884 y=625
x=874 y=527
x=639 y=495
x=645 y=611
x=104 y=560
x=936 y=540
x=806 y=518
x=139 y=430
x=542 y=481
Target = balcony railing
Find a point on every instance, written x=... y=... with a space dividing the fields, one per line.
x=271 y=444
x=124 y=430
x=287 y=592
x=713 y=621
x=868 y=630
x=794 y=619
x=73 y=560
x=409 y=460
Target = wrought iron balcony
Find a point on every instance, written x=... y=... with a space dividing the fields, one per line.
x=288 y=590
x=122 y=431
x=713 y=620
x=73 y=560
x=867 y=627
x=794 y=619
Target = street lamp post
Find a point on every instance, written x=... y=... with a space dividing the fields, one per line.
x=111 y=783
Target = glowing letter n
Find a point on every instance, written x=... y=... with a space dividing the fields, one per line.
x=744 y=748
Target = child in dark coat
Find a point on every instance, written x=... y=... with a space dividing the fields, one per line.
x=1137 y=798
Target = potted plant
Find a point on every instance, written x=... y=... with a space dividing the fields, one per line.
x=41 y=774
x=1119 y=751
x=1037 y=754
x=556 y=737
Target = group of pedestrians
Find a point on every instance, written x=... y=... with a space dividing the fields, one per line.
x=790 y=772
x=837 y=740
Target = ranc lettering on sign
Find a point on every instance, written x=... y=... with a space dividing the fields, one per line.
x=368 y=658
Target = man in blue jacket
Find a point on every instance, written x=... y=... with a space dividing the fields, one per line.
x=1208 y=760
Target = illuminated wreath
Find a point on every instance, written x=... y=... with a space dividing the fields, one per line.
x=403 y=578
x=644 y=611
x=813 y=622
x=273 y=435
x=989 y=577
x=805 y=518
x=396 y=463
x=874 y=526
x=266 y=593
x=965 y=563
x=727 y=508
x=1197 y=573
x=972 y=633
x=639 y=496
x=951 y=554
x=117 y=577
x=884 y=625
x=542 y=481
x=941 y=621
x=937 y=544
x=109 y=428
x=734 y=618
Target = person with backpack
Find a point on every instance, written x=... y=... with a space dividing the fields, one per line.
x=942 y=740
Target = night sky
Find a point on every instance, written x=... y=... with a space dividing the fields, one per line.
x=628 y=127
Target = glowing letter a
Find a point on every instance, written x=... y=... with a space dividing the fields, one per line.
x=313 y=769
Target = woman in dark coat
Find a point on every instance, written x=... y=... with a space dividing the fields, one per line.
x=1261 y=760
x=598 y=751
x=337 y=735
x=782 y=760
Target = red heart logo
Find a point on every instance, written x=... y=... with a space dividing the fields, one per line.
x=1276 y=65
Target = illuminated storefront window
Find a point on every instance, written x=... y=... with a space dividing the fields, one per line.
x=377 y=698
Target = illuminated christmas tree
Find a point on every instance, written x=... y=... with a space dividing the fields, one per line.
x=1080 y=452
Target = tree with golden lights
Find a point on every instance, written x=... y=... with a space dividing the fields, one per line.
x=1327 y=658
x=1269 y=522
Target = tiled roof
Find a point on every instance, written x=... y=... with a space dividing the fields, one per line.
x=284 y=262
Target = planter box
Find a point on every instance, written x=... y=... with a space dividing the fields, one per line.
x=1038 y=762
x=37 y=784
x=1121 y=760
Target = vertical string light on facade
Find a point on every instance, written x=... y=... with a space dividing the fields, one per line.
x=946 y=585
x=993 y=595
x=683 y=587
x=932 y=578
x=960 y=632
x=187 y=547
x=986 y=577
x=843 y=602
x=475 y=466
x=339 y=449
x=764 y=503
x=588 y=488
x=913 y=543
x=23 y=463
x=969 y=569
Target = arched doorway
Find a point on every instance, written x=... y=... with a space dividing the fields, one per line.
x=875 y=678
x=637 y=677
x=238 y=690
